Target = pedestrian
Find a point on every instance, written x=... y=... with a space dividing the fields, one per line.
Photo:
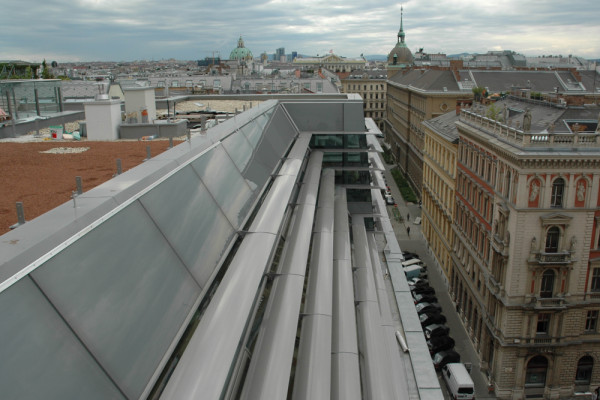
x=596 y=393
x=408 y=217
x=408 y=230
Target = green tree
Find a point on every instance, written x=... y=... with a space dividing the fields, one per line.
x=45 y=72
x=478 y=92
x=493 y=112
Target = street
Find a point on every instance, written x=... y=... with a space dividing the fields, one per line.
x=410 y=238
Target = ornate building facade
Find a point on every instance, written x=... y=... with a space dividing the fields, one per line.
x=526 y=256
x=412 y=98
x=372 y=87
x=439 y=177
x=331 y=62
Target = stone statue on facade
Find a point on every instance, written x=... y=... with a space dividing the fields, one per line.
x=533 y=247
x=580 y=191
x=573 y=244
x=535 y=189
x=527 y=121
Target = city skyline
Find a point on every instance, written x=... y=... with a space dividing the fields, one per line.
x=103 y=30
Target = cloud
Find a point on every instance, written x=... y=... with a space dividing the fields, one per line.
x=150 y=29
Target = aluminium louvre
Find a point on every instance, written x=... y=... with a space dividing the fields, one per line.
x=269 y=372
x=313 y=371
x=205 y=367
x=345 y=367
x=400 y=386
x=376 y=369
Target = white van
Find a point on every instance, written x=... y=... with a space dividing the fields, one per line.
x=459 y=382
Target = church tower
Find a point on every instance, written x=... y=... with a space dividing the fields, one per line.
x=400 y=58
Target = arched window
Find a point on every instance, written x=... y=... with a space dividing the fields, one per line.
x=536 y=372
x=583 y=375
x=552 y=238
x=558 y=191
x=547 y=287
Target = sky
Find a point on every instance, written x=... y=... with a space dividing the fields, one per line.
x=128 y=30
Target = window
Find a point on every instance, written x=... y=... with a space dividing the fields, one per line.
x=175 y=83
x=536 y=372
x=552 y=238
x=547 y=288
x=558 y=189
x=583 y=376
x=591 y=321
x=595 y=286
x=189 y=84
x=543 y=324
x=161 y=83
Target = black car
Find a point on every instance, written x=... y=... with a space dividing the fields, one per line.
x=436 y=330
x=428 y=307
x=422 y=297
x=422 y=290
x=445 y=357
x=414 y=282
x=432 y=318
x=440 y=343
x=409 y=255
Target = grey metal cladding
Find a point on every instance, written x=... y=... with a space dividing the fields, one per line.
x=269 y=371
x=316 y=116
x=204 y=368
x=231 y=192
x=40 y=354
x=345 y=377
x=199 y=231
x=124 y=292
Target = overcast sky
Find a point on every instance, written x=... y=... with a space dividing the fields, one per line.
x=125 y=30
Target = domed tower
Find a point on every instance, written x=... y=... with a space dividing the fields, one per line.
x=240 y=52
x=400 y=57
x=244 y=58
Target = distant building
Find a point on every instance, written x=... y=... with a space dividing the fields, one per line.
x=412 y=98
x=241 y=59
x=280 y=55
x=332 y=62
x=371 y=86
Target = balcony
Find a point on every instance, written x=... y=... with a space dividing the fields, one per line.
x=543 y=258
x=546 y=303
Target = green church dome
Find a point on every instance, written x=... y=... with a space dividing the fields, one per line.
x=240 y=52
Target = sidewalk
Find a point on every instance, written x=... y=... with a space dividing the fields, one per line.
x=416 y=243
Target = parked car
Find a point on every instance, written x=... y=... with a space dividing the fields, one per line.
x=415 y=282
x=422 y=290
x=440 y=343
x=442 y=358
x=389 y=200
x=436 y=330
x=432 y=318
x=409 y=255
x=427 y=307
x=422 y=297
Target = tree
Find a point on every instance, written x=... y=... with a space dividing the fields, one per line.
x=45 y=72
x=478 y=92
x=493 y=111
